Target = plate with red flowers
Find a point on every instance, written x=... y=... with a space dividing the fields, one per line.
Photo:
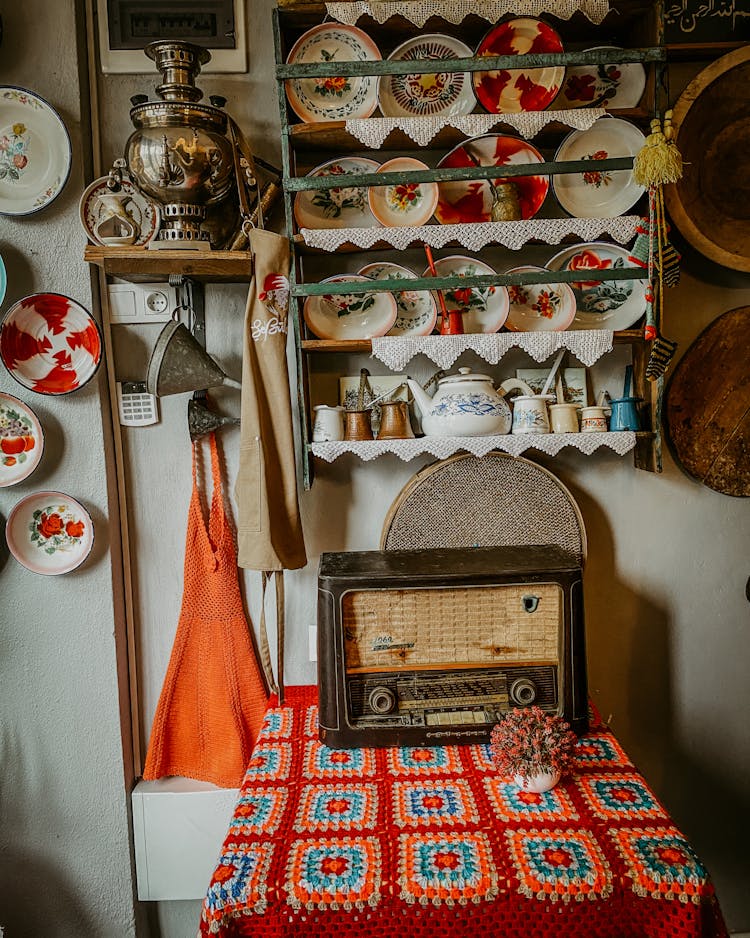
x=602 y=304
x=484 y=309
x=21 y=440
x=340 y=206
x=472 y=200
x=50 y=344
x=333 y=98
x=405 y=203
x=610 y=85
x=49 y=533
x=416 y=309
x=599 y=193
x=350 y=315
x=513 y=90
x=539 y=307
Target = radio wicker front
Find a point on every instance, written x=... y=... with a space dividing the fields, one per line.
x=411 y=628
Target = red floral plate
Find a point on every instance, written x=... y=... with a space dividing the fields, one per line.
x=50 y=344
x=406 y=203
x=611 y=85
x=49 y=533
x=539 y=307
x=531 y=89
x=484 y=309
x=472 y=200
x=21 y=440
x=602 y=304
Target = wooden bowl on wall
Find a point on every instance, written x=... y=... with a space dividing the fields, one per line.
x=710 y=205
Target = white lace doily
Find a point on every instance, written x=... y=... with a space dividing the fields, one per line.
x=373 y=131
x=441 y=447
x=455 y=11
x=587 y=345
x=511 y=234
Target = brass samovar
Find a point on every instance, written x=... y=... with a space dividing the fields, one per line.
x=181 y=153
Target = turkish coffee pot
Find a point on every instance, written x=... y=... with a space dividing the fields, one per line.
x=181 y=153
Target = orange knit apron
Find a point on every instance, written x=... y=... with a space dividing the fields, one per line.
x=213 y=699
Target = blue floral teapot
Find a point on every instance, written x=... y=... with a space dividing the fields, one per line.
x=465 y=404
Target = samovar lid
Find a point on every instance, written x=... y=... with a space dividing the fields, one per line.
x=180 y=64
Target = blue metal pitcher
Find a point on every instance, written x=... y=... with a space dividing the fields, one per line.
x=625 y=409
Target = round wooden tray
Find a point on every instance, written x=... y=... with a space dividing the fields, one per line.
x=710 y=205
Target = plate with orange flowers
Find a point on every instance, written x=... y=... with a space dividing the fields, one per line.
x=484 y=309
x=406 y=203
x=49 y=533
x=337 y=97
x=539 y=307
x=21 y=440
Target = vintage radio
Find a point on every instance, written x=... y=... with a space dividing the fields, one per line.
x=423 y=647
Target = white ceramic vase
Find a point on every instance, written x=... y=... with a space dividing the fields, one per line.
x=539 y=783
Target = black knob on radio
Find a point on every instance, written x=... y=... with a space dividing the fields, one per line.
x=523 y=691
x=382 y=700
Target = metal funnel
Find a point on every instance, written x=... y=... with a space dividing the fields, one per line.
x=202 y=421
x=179 y=363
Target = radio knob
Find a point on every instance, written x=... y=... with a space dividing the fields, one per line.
x=382 y=700
x=523 y=691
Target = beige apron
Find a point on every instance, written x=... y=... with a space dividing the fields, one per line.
x=269 y=531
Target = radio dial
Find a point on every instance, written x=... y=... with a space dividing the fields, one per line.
x=523 y=691
x=382 y=700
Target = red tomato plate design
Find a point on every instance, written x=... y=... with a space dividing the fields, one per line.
x=471 y=200
x=49 y=533
x=511 y=90
x=21 y=440
x=50 y=344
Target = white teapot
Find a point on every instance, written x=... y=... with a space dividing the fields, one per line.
x=465 y=404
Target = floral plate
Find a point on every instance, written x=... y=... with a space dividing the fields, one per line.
x=332 y=99
x=49 y=533
x=441 y=94
x=539 y=307
x=406 y=203
x=141 y=211
x=416 y=309
x=35 y=152
x=610 y=85
x=21 y=440
x=350 y=315
x=341 y=207
x=530 y=89
x=50 y=344
x=485 y=309
x=597 y=194
x=602 y=304
x=472 y=200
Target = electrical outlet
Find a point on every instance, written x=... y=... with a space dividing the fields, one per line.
x=134 y=303
x=312 y=640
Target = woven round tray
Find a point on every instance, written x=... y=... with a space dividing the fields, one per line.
x=496 y=500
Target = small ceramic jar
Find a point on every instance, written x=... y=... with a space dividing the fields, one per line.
x=329 y=424
x=593 y=419
x=564 y=418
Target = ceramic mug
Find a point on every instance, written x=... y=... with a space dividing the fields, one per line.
x=564 y=418
x=593 y=419
x=529 y=409
x=329 y=424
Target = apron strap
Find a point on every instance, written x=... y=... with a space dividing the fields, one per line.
x=275 y=685
x=279 y=576
x=264 y=648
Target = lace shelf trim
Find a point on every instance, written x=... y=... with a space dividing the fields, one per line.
x=441 y=447
x=373 y=131
x=511 y=234
x=587 y=345
x=455 y=11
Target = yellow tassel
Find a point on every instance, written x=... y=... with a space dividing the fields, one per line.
x=658 y=161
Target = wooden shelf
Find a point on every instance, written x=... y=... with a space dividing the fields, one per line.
x=355 y=346
x=141 y=264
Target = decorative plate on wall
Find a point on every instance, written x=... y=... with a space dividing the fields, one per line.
x=530 y=89
x=341 y=207
x=405 y=203
x=350 y=315
x=416 y=309
x=484 y=309
x=100 y=206
x=50 y=344
x=440 y=94
x=3 y=280
x=49 y=533
x=35 y=152
x=472 y=200
x=21 y=440
x=602 y=304
x=539 y=307
x=599 y=194
x=611 y=85
x=338 y=98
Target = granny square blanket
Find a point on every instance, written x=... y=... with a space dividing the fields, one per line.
x=435 y=842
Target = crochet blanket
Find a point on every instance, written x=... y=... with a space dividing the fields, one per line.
x=434 y=842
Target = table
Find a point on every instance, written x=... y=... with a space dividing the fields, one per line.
x=434 y=842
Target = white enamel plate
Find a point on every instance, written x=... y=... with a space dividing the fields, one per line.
x=341 y=206
x=416 y=309
x=350 y=315
x=49 y=533
x=484 y=309
x=539 y=307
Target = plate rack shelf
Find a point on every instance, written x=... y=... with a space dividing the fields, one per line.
x=634 y=25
